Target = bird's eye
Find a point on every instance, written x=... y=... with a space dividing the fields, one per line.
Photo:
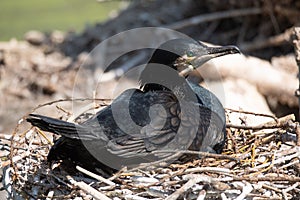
x=190 y=53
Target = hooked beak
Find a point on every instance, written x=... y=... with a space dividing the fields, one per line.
x=211 y=52
x=214 y=52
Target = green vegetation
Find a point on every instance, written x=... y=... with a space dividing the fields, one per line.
x=18 y=17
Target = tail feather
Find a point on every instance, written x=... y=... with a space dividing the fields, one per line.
x=67 y=129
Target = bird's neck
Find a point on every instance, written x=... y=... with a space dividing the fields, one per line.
x=161 y=73
x=160 y=77
x=153 y=87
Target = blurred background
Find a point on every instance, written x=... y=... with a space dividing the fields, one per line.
x=45 y=43
x=17 y=18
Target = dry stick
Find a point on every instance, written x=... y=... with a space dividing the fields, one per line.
x=214 y=16
x=11 y=161
x=251 y=113
x=264 y=178
x=71 y=99
x=269 y=125
x=88 y=189
x=64 y=110
x=58 y=179
x=207 y=169
x=286 y=11
x=14 y=159
x=44 y=135
x=188 y=185
x=4 y=136
x=298 y=135
x=270 y=188
x=50 y=195
x=247 y=188
x=272 y=41
x=91 y=174
x=9 y=136
x=201 y=195
x=294 y=162
x=118 y=174
x=291 y=187
x=270 y=10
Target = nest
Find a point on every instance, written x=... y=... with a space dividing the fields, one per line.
x=258 y=162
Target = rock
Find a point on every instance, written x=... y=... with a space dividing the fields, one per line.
x=35 y=37
x=57 y=37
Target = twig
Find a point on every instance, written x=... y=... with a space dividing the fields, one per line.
x=213 y=17
x=251 y=113
x=44 y=135
x=71 y=99
x=15 y=159
x=64 y=110
x=287 y=11
x=271 y=188
x=298 y=135
x=88 y=189
x=269 y=125
x=118 y=174
x=264 y=178
x=272 y=41
x=58 y=179
x=135 y=197
x=207 y=169
x=5 y=136
x=270 y=9
x=290 y=188
x=91 y=174
x=201 y=195
x=223 y=196
x=281 y=159
x=194 y=180
x=294 y=162
x=50 y=195
x=82 y=110
x=14 y=133
x=247 y=188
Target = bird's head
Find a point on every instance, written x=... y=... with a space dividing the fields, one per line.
x=184 y=55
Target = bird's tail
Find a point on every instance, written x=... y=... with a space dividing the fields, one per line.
x=67 y=129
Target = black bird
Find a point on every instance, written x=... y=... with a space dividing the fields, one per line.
x=166 y=113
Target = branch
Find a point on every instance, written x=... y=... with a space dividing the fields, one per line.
x=214 y=16
x=276 y=40
x=269 y=125
x=88 y=189
x=95 y=176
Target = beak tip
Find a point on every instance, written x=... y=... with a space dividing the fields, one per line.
x=234 y=50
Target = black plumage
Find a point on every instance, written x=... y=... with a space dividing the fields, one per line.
x=166 y=113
